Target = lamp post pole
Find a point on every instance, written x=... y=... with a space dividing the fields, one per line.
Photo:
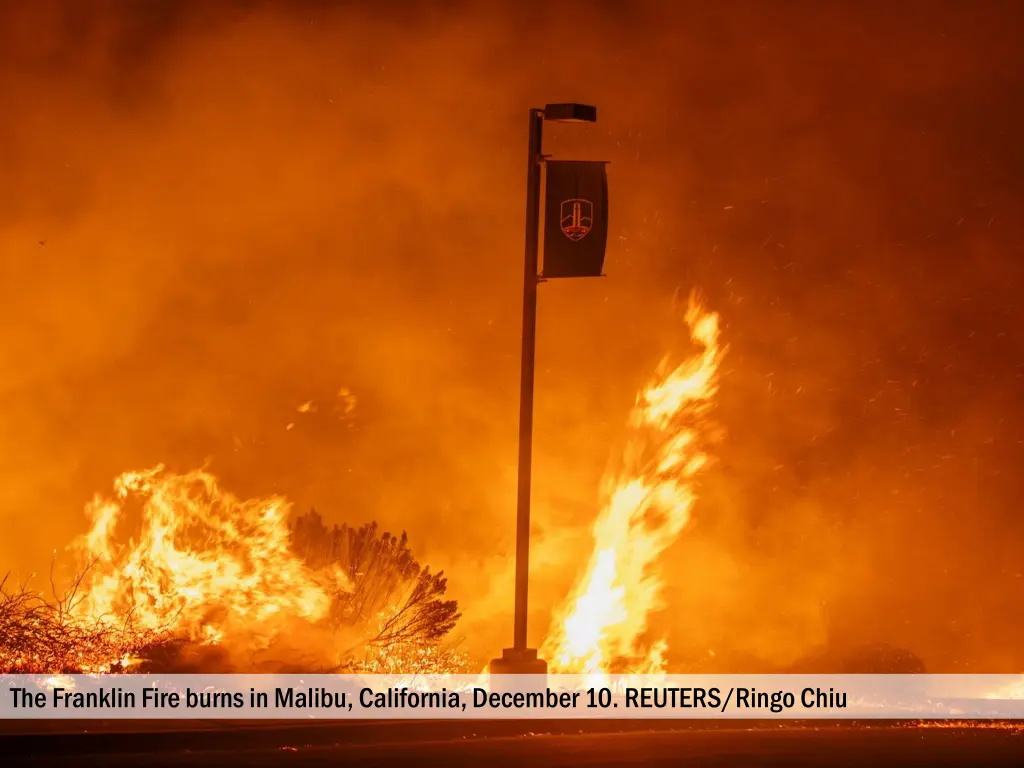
x=530 y=280
x=519 y=659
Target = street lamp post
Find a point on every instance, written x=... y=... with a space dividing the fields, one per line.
x=519 y=659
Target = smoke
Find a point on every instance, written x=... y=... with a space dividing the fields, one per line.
x=210 y=217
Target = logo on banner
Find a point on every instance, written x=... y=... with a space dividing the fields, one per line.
x=577 y=218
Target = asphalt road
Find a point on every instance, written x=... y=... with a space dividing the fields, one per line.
x=493 y=744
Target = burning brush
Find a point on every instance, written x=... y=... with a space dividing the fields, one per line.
x=212 y=582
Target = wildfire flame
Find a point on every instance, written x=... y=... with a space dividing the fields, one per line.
x=174 y=557
x=604 y=622
x=202 y=563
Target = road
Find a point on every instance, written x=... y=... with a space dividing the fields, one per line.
x=495 y=744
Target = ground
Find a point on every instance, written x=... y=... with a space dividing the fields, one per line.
x=518 y=743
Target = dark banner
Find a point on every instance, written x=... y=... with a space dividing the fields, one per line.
x=575 y=218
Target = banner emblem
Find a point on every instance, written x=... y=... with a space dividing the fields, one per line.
x=577 y=218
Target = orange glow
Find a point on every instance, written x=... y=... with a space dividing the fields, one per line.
x=284 y=242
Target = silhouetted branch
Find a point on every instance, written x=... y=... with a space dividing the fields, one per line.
x=394 y=599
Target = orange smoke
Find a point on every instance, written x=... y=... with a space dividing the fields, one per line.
x=604 y=624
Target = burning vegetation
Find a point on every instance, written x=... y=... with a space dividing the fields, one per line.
x=180 y=575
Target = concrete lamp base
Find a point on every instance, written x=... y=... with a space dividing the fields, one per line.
x=514 y=661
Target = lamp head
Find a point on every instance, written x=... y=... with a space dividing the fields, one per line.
x=570 y=113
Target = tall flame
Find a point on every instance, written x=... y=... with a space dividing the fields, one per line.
x=603 y=625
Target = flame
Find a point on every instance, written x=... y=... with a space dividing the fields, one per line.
x=174 y=564
x=604 y=622
x=202 y=565
x=176 y=557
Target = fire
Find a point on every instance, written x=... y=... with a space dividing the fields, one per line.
x=176 y=559
x=603 y=625
x=202 y=564
x=179 y=571
x=176 y=571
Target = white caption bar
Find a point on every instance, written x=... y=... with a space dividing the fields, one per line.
x=466 y=697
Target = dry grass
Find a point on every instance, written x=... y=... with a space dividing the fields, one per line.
x=46 y=635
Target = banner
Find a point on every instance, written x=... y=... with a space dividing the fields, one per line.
x=575 y=218
x=516 y=697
